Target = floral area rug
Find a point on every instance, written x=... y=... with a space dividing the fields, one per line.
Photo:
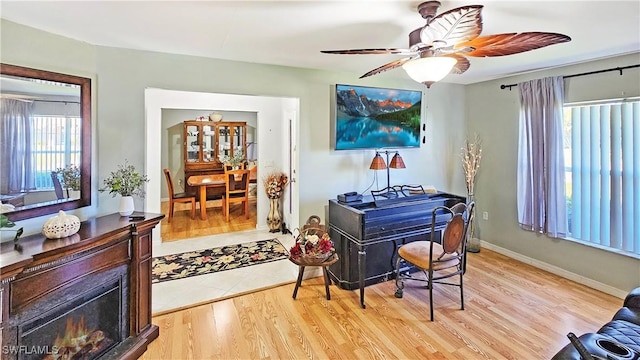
x=200 y=262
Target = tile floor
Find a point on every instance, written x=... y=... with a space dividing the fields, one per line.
x=176 y=294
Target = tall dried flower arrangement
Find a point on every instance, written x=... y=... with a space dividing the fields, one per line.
x=274 y=184
x=471 y=155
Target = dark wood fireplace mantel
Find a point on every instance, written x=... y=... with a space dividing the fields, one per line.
x=36 y=268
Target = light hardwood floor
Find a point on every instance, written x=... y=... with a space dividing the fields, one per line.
x=183 y=227
x=512 y=311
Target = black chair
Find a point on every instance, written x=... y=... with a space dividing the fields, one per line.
x=57 y=186
x=440 y=257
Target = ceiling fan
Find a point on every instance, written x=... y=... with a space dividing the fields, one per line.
x=440 y=47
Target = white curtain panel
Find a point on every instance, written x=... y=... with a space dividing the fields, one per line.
x=542 y=205
x=16 y=166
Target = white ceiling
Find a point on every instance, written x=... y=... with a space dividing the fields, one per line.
x=292 y=33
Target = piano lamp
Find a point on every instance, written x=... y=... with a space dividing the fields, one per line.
x=378 y=163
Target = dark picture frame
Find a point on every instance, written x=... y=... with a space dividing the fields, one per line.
x=84 y=199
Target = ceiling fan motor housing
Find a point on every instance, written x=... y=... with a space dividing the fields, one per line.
x=428 y=10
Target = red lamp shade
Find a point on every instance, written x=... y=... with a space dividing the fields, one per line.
x=378 y=163
x=397 y=162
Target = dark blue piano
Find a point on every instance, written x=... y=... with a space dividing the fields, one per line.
x=367 y=233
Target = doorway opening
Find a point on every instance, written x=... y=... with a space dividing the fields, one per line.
x=193 y=144
x=274 y=118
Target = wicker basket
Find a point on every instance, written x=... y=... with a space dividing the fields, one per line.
x=312 y=227
x=313 y=222
x=314 y=259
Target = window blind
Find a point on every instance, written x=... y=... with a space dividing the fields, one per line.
x=54 y=146
x=604 y=166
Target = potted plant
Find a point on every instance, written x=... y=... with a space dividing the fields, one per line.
x=235 y=161
x=126 y=182
x=7 y=226
x=70 y=177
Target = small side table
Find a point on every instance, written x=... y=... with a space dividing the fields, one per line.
x=327 y=280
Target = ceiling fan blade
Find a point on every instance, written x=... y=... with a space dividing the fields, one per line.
x=392 y=65
x=511 y=43
x=371 y=51
x=453 y=27
x=461 y=66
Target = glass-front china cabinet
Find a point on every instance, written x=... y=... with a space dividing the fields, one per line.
x=207 y=143
x=232 y=138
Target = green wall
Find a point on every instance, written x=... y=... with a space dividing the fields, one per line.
x=493 y=114
x=452 y=111
x=121 y=77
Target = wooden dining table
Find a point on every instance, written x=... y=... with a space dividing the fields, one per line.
x=205 y=181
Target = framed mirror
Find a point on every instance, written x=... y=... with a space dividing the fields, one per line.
x=45 y=141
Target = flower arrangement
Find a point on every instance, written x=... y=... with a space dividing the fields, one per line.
x=125 y=181
x=274 y=184
x=236 y=160
x=471 y=155
x=70 y=177
x=312 y=245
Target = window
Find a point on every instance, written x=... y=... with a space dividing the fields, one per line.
x=55 y=143
x=602 y=162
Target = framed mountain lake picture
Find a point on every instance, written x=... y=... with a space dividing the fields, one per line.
x=376 y=118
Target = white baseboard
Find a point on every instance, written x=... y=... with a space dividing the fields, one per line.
x=556 y=270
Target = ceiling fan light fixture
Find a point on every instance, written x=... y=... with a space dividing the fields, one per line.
x=443 y=44
x=428 y=70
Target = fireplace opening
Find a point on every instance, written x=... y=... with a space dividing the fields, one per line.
x=84 y=328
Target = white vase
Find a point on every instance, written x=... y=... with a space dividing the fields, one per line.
x=7 y=235
x=126 y=206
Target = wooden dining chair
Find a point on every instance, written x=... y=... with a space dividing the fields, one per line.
x=236 y=191
x=183 y=197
